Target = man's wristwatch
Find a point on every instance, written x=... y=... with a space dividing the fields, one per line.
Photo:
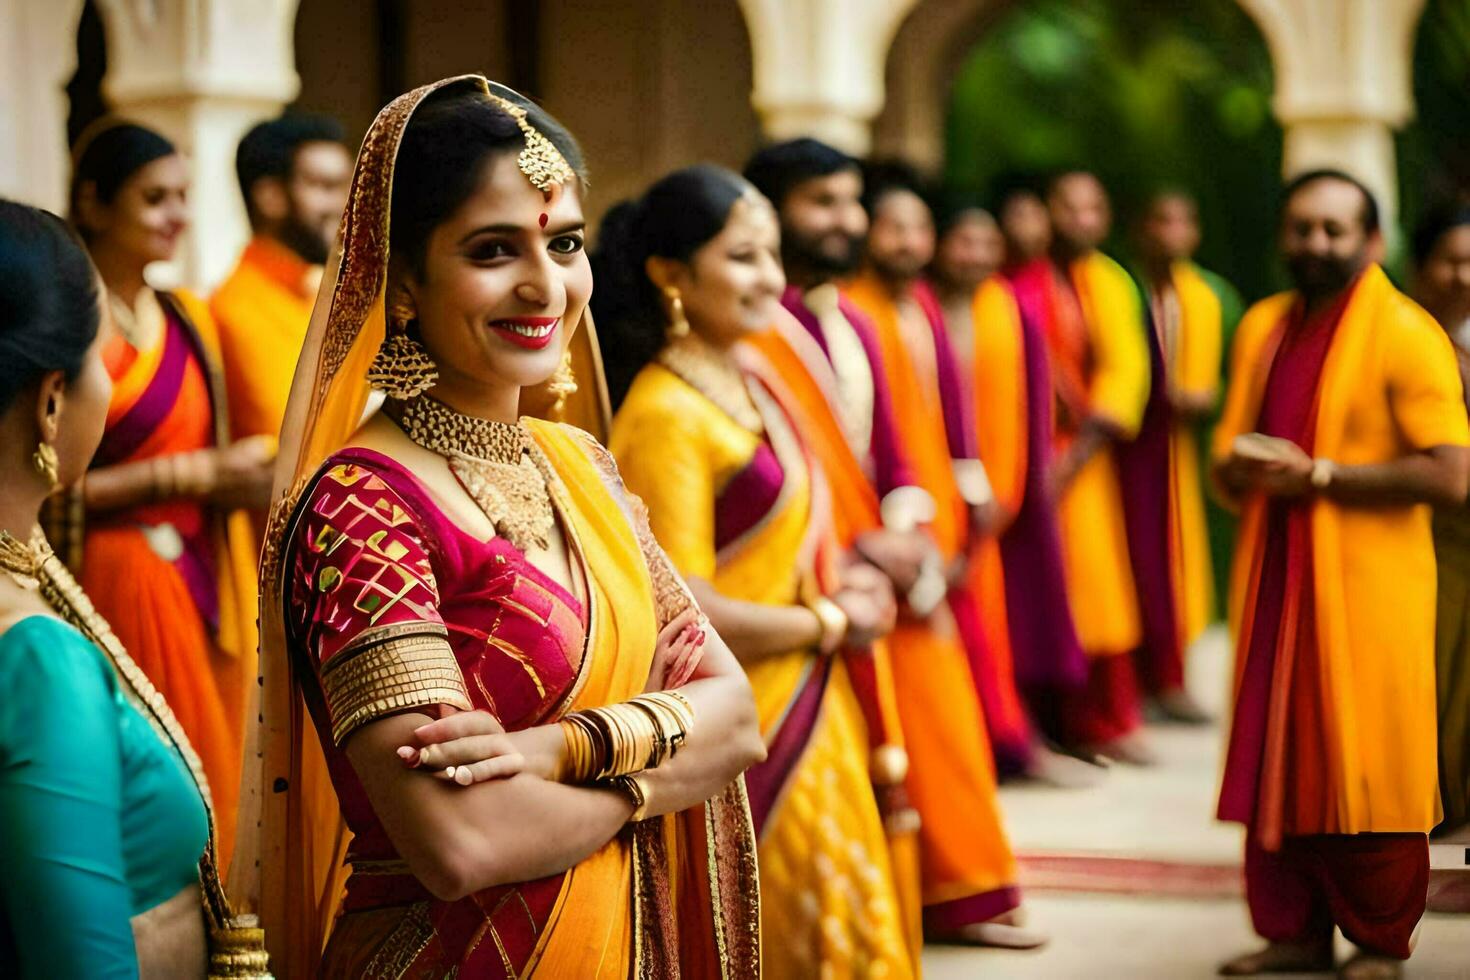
x=1323 y=470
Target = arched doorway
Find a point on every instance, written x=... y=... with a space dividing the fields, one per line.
x=1145 y=92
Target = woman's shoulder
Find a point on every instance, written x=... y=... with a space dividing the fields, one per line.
x=42 y=651
x=665 y=408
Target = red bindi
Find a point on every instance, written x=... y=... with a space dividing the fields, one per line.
x=544 y=218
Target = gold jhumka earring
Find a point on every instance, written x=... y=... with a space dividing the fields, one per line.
x=402 y=369
x=563 y=384
x=47 y=464
x=678 y=322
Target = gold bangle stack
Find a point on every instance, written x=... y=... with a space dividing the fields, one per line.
x=621 y=739
x=180 y=475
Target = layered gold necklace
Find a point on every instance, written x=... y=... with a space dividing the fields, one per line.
x=495 y=462
x=714 y=375
x=20 y=561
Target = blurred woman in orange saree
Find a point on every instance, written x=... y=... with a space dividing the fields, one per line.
x=745 y=513
x=166 y=556
x=535 y=743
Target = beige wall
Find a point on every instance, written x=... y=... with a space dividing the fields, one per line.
x=337 y=59
x=646 y=85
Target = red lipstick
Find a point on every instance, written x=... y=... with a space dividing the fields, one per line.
x=530 y=332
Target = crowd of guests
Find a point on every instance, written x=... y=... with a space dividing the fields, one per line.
x=331 y=629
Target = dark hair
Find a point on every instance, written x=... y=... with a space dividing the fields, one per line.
x=953 y=208
x=1302 y=180
x=1060 y=176
x=442 y=156
x=48 y=299
x=776 y=169
x=109 y=155
x=1012 y=184
x=269 y=148
x=673 y=219
x=1436 y=223
x=884 y=177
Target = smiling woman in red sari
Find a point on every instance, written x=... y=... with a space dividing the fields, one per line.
x=685 y=274
x=165 y=555
x=535 y=743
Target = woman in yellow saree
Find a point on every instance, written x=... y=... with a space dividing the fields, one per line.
x=522 y=715
x=684 y=274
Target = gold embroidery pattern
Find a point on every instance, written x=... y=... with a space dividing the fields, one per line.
x=408 y=939
x=408 y=665
x=386 y=579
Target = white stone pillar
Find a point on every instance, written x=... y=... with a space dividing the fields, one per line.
x=819 y=66
x=202 y=72
x=38 y=56
x=1343 y=84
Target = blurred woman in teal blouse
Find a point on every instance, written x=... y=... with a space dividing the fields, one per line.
x=104 y=822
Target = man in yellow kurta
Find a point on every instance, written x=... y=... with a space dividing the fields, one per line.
x=1087 y=310
x=1343 y=423
x=1161 y=474
x=294 y=173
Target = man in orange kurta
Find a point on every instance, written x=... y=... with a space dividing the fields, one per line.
x=294 y=173
x=1088 y=311
x=1343 y=422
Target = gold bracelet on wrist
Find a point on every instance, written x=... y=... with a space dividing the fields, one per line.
x=162 y=478
x=834 y=623
x=632 y=787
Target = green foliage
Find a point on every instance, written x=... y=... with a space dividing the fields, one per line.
x=1148 y=93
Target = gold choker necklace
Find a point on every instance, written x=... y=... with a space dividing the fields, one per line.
x=495 y=462
x=20 y=561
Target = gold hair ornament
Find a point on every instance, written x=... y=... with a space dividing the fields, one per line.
x=540 y=161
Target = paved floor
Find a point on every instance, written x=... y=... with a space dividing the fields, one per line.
x=1162 y=813
x=1106 y=937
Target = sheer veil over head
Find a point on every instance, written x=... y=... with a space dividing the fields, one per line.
x=288 y=866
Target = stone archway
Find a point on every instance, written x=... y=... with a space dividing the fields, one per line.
x=1343 y=80
x=931 y=44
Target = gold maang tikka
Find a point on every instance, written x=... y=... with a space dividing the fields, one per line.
x=540 y=161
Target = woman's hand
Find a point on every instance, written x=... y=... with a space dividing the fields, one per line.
x=866 y=597
x=679 y=651
x=469 y=747
x=242 y=474
x=899 y=555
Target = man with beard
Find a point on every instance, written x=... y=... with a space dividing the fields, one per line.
x=1087 y=310
x=294 y=174
x=1343 y=422
x=1162 y=477
x=967 y=867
